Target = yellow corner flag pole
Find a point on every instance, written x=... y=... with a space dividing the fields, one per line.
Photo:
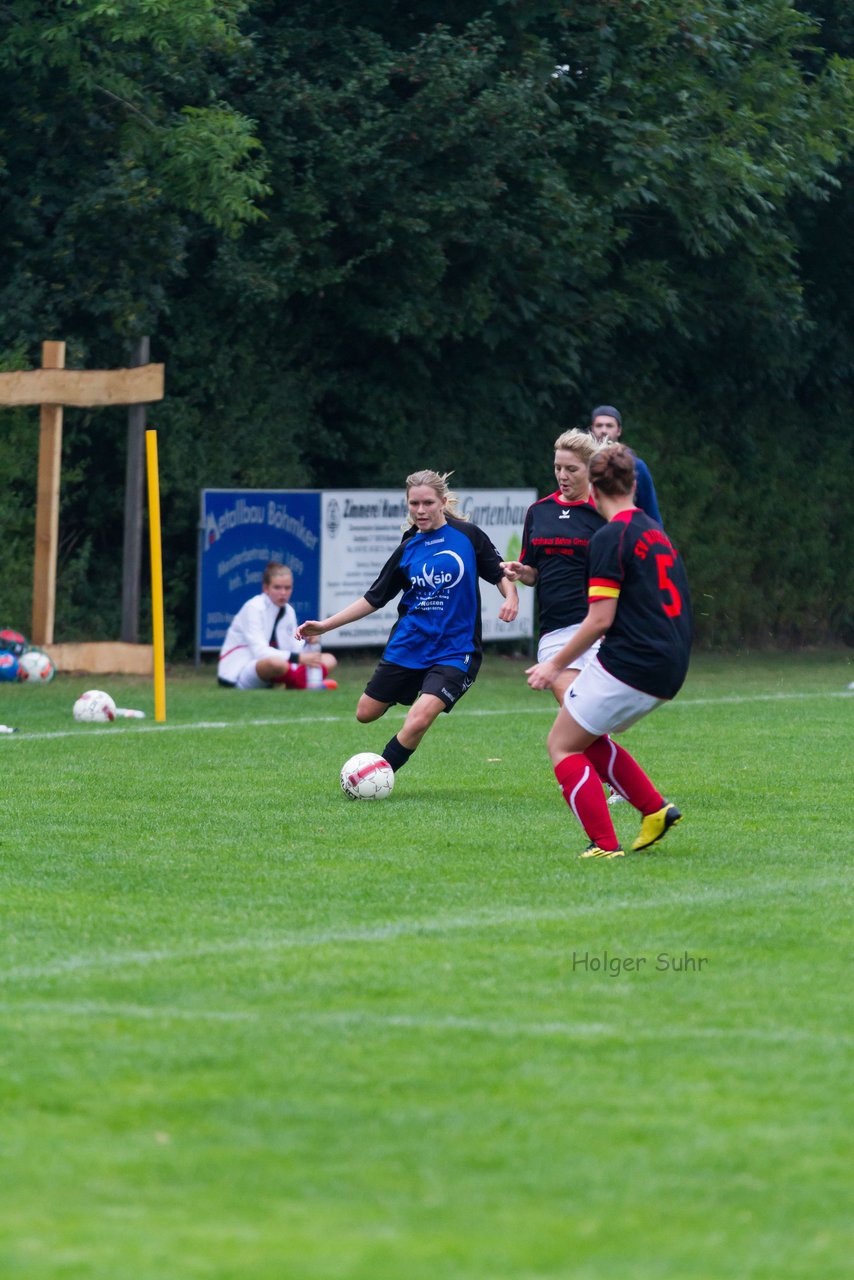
x=156 y=577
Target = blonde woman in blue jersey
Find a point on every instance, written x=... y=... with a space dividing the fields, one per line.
x=434 y=649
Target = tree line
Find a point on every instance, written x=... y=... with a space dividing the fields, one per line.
x=370 y=237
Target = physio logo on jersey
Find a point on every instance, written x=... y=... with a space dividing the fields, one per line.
x=439 y=577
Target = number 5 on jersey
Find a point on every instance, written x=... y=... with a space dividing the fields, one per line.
x=673 y=606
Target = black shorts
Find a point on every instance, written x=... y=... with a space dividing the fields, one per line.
x=392 y=683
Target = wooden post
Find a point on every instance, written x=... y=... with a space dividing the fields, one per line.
x=47 y=506
x=134 y=482
x=53 y=386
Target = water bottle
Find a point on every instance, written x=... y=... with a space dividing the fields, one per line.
x=313 y=674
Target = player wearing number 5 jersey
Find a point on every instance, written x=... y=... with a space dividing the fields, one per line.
x=639 y=602
x=633 y=563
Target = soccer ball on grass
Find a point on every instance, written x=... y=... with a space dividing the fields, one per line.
x=36 y=667
x=94 y=705
x=367 y=776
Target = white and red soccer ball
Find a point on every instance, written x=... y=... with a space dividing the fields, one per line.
x=94 y=706
x=36 y=667
x=367 y=776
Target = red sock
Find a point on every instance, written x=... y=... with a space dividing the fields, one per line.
x=294 y=677
x=582 y=791
x=614 y=765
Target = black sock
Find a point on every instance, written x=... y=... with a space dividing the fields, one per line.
x=396 y=754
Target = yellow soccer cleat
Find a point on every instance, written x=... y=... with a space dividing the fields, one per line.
x=593 y=851
x=655 y=825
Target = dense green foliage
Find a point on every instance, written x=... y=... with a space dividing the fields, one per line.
x=370 y=236
x=363 y=1041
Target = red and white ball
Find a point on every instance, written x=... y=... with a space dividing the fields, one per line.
x=367 y=776
x=36 y=667
x=94 y=706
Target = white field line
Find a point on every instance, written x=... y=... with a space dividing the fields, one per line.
x=511 y=1028
x=98 y=1009
x=388 y=931
x=545 y=708
x=431 y=1024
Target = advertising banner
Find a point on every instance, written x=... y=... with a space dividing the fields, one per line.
x=335 y=541
x=241 y=530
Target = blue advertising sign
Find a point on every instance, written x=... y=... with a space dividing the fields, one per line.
x=241 y=530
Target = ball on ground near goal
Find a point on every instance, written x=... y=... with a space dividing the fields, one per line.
x=36 y=666
x=8 y=666
x=94 y=705
x=367 y=777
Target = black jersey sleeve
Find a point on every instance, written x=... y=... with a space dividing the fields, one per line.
x=486 y=553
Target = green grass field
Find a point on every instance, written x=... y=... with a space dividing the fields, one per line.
x=253 y=1030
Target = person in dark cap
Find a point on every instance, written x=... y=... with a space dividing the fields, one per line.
x=606 y=423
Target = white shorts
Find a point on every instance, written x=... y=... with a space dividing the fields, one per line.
x=601 y=703
x=238 y=670
x=250 y=679
x=552 y=641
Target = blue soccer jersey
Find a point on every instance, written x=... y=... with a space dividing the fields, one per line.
x=439 y=613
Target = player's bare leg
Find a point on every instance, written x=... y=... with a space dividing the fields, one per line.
x=272 y=668
x=421 y=715
x=369 y=709
x=562 y=682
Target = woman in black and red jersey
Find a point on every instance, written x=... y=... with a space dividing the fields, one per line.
x=640 y=603
x=555 y=539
